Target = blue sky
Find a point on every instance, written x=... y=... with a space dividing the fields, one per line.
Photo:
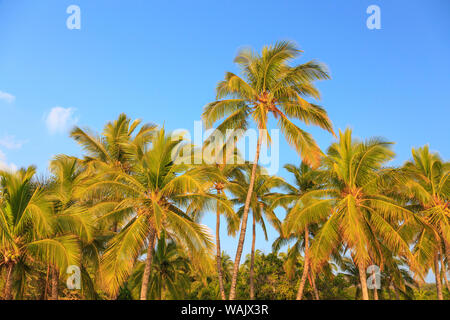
x=160 y=61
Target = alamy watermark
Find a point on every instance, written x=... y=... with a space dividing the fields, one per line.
x=74 y=20
x=374 y=20
x=74 y=279
x=374 y=280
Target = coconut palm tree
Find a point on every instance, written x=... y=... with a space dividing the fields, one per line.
x=428 y=191
x=218 y=173
x=227 y=266
x=107 y=151
x=269 y=85
x=351 y=273
x=108 y=148
x=358 y=215
x=27 y=227
x=306 y=180
x=155 y=190
x=170 y=272
x=395 y=274
x=294 y=262
x=71 y=214
x=259 y=205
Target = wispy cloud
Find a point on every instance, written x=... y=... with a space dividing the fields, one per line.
x=4 y=165
x=10 y=142
x=60 y=119
x=5 y=96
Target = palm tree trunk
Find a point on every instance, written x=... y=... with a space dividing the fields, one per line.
x=437 y=275
x=55 y=281
x=313 y=284
x=444 y=272
x=252 y=261
x=218 y=253
x=8 y=284
x=240 y=247
x=305 y=267
x=148 y=264
x=447 y=251
x=363 y=279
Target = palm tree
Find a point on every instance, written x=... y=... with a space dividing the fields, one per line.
x=444 y=272
x=107 y=151
x=298 y=198
x=227 y=266
x=259 y=204
x=154 y=190
x=428 y=190
x=108 y=148
x=396 y=274
x=294 y=262
x=358 y=216
x=269 y=85
x=218 y=173
x=71 y=215
x=170 y=270
x=351 y=273
x=27 y=227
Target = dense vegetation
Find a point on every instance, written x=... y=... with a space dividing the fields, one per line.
x=128 y=213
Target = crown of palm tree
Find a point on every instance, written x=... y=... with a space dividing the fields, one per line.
x=428 y=192
x=108 y=148
x=27 y=227
x=153 y=192
x=269 y=85
x=355 y=211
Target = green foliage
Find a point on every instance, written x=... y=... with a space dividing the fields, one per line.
x=128 y=214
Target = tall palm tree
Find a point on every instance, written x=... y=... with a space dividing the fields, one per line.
x=71 y=215
x=154 y=190
x=259 y=205
x=358 y=216
x=428 y=190
x=218 y=173
x=27 y=227
x=107 y=150
x=306 y=180
x=269 y=85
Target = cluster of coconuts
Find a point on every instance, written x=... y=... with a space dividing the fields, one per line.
x=11 y=256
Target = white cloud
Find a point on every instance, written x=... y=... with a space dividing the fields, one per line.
x=4 y=165
x=60 y=119
x=10 y=142
x=7 y=97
